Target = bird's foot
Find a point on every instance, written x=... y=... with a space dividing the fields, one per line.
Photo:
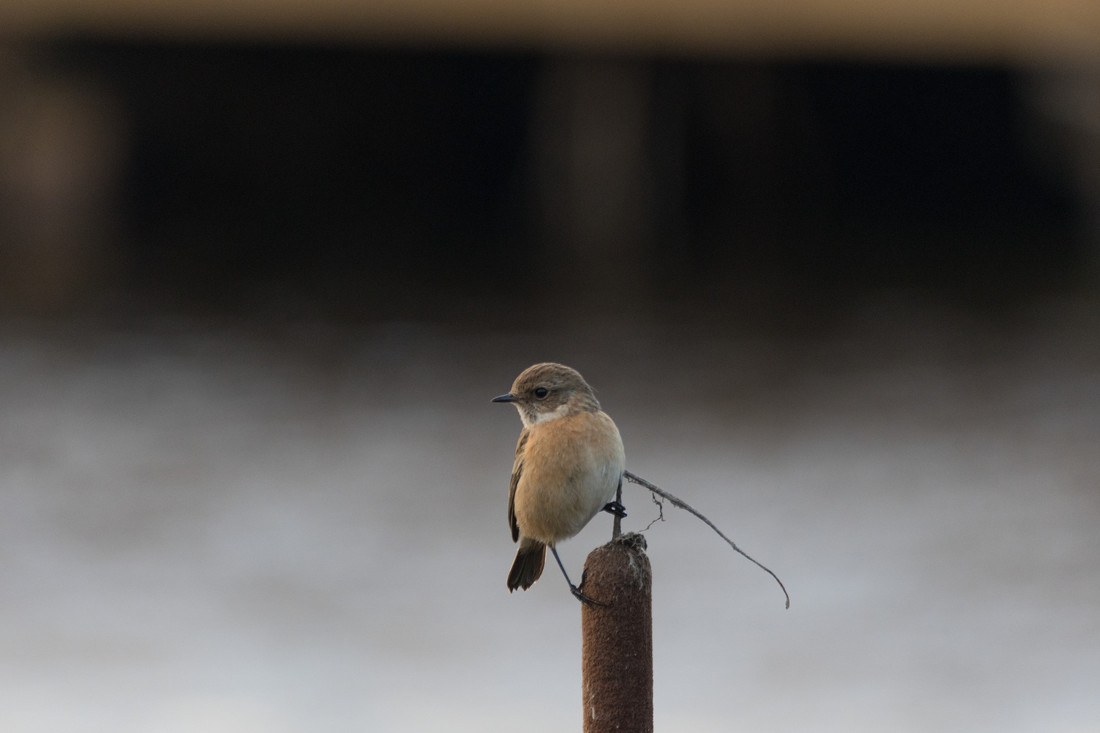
x=586 y=600
x=580 y=595
x=614 y=507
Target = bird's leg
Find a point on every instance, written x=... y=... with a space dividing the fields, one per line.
x=572 y=588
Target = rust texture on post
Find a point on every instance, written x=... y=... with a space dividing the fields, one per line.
x=617 y=639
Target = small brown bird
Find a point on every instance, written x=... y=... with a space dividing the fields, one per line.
x=569 y=466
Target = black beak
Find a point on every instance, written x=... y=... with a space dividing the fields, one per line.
x=504 y=398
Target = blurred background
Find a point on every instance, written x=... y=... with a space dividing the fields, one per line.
x=833 y=270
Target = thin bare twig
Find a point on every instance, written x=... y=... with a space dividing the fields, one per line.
x=681 y=504
x=660 y=503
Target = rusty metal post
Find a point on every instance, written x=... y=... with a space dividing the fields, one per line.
x=617 y=639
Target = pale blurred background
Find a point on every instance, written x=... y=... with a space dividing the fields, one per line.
x=834 y=270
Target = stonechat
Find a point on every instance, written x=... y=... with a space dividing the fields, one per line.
x=569 y=466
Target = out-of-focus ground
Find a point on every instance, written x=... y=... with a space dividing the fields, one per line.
x=299 y=526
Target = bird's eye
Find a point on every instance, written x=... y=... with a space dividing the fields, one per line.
x=541 y=392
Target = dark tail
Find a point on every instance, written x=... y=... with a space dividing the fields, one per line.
x=528 y=564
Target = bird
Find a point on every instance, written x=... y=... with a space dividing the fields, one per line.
x=568 y=467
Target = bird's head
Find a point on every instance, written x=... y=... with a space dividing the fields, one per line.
x=547 y=391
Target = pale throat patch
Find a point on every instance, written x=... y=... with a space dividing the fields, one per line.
x=541 y=417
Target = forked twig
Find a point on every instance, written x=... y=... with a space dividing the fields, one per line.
x=660 y=504
x=681 y=504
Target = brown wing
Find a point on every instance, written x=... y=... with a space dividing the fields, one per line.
x=517 y=470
